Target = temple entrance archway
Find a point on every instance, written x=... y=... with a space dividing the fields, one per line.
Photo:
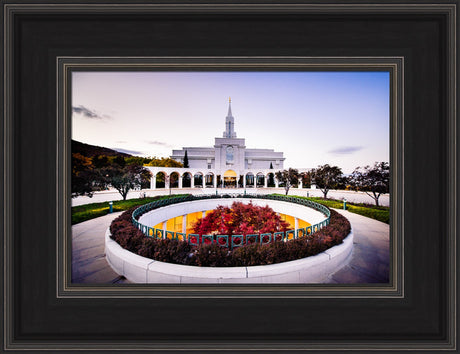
x=230 y=179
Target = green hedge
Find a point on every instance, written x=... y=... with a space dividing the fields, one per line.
x=94 y=210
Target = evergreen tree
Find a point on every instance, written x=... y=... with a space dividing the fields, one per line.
x=186 y=160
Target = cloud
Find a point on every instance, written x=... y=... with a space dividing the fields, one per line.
x=345 y=150
x=89 y=113
x=159 y=143
x=131 y=152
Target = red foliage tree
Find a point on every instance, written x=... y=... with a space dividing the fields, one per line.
x=240 y=219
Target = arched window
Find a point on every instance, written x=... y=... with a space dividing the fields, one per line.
x=229 y=154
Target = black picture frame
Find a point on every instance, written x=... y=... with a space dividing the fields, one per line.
x=41 y=316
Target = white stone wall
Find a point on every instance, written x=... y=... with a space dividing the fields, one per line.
x=200 y=157
x=299 y=211
x=314 y=269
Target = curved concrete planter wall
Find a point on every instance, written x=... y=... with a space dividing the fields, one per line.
x=156 y=216
x=314 y=269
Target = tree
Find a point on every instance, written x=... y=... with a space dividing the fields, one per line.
x=271 y=177
x=164 y=162
x=375 y=180
x=186 y=160
x=306 y=179
x=240 y=219
x=117 y=160
x=342 y=182
x=126 y=178
x=83 y=175
x=137 y=160
x=288 y=178
x=100 y=161
x=326 y=177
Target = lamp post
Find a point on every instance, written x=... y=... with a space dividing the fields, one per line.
x=344 y=204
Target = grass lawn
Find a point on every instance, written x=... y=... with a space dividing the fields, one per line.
x=90 y=211
x=380 y=213
x=94 y=210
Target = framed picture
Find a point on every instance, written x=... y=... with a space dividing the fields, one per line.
x=47 y=45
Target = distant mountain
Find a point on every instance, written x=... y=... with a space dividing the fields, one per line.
x=92 y=150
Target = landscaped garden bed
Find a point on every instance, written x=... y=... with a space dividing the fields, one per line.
x=180 y=252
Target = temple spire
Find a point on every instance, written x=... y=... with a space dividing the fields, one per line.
x=229 y=114
x=229 y=122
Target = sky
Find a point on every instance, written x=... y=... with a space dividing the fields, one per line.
x=314 y=118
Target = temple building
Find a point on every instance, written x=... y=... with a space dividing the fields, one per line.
x=226 y=164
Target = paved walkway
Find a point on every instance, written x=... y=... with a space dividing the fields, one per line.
x=88 y=252
x=369 y=262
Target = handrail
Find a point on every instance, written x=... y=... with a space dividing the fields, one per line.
x=233 y=240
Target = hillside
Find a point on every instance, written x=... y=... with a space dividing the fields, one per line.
x=92 y=150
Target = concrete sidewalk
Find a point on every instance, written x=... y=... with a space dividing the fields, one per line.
x=369 y=262
x=370 y=259
x=88 y=252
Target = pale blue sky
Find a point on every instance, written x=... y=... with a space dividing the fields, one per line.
x=340 y=118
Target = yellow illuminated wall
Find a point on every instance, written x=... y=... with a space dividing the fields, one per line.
x=191 y=219
x=289 y=219
x=175 y=224
x=303 y=223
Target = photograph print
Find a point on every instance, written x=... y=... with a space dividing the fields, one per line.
x=242 y=177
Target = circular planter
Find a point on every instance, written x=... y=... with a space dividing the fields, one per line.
x=156 y=216
x=313 y=269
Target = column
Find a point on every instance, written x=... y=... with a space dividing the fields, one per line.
x=255 y=181
x=300 y=183
x=296 y=223
x=180 y=182
x=265 y=181
x=167 y=181
x=244 y=181
x=192 y=182
x=184 y=223
x=276 y=183
x=153 y=182
x=164 y=228
x=214 y=181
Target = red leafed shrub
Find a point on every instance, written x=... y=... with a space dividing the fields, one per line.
x=211 y=256
x=122 y=221
x=170 y=251
x=129 y=237
x=214 y=255
x=240 y=219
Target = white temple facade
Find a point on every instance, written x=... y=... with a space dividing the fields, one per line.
x=230 y=152
x=227 y=164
